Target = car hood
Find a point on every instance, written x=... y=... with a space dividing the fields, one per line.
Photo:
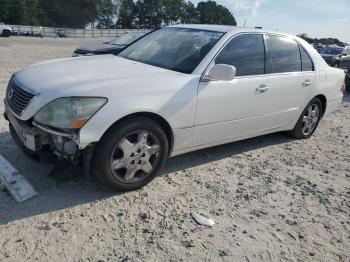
x=76 y=76
x=107 y=76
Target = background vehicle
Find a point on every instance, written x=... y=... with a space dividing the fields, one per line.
x=112 y=47
x=61 y=33
x=345 y=55
x=176 y=90
x=330 y=53
x=5 y=30
x=318 y=46
x=344 y=63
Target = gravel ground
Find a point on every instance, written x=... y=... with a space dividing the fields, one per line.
x=272 y=198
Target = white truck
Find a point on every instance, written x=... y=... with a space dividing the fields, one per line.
x=5 y=30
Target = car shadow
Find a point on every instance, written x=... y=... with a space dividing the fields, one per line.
x=56 y=194
x=213 y=154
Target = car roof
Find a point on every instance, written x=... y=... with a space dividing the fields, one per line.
x=219 y=28
x=228 y=29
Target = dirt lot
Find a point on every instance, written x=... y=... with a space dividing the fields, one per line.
x=272 y=198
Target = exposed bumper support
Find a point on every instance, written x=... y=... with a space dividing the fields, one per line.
x=48 y=144
x=53 y=132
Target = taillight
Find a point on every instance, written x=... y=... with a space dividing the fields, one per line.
x=342 y=87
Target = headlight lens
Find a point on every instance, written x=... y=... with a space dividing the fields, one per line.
x=70 y=112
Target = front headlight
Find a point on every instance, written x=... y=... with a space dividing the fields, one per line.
x=69 y=112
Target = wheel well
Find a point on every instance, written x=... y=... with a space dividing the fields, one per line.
x=324 y=103
x=160 y=120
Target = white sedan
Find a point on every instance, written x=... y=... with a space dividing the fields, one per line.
x=178 y=89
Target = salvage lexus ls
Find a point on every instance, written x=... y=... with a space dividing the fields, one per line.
x=177 y=89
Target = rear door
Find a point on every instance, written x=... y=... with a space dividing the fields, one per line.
x=292 y=78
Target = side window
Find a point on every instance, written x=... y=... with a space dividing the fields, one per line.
x=246 y=53
x=285 y=55
x=306 y=62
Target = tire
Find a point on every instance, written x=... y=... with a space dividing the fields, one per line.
x=300 y=130
x=126 y=158
x=6 y=33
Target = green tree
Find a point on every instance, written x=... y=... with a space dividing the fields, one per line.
x=67 y=13
x=142 y=14
x=31 y=12
x=212 y=13
x=4 y=11
x=324 y=41
x=190 y=14
x=172 y=11
x=149 y=13
x=126 y=14
x=12 y=12
x=107 y=11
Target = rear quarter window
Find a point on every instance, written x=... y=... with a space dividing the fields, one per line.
x=306 y=62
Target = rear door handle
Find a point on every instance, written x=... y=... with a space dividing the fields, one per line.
x=262 y=88
x=307 y=83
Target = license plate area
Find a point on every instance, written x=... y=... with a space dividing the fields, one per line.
x=28 y=136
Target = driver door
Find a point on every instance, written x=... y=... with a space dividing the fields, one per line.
x=237 y=108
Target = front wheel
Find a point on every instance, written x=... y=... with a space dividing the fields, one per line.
x=131 y=154
x=308 y=120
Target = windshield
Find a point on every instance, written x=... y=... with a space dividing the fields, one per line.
x=177 y=49
x=126 y=39
x=331 y=51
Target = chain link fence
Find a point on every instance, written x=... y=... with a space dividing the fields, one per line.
x=39 y=31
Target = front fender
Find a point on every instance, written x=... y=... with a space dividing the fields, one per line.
x=177 y=107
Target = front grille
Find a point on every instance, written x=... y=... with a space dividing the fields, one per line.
x=17 y=98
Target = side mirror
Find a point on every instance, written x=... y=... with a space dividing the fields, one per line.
x=221 y=72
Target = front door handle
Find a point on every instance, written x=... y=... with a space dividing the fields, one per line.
x=262 y=88
x=307 y=83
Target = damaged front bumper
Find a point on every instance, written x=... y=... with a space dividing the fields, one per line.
x=37 y=139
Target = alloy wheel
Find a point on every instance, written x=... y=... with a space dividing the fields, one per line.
x=310 y=119
x=135 y=156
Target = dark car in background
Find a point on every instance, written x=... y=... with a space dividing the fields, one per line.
x=331 y=53
x=345 y=64
x=112 y=47
x=318 y=46
x=344 y=56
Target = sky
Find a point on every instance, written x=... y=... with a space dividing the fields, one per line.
x=316 y=18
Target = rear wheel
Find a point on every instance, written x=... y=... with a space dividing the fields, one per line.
x=131 y=154
x=308 y=120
